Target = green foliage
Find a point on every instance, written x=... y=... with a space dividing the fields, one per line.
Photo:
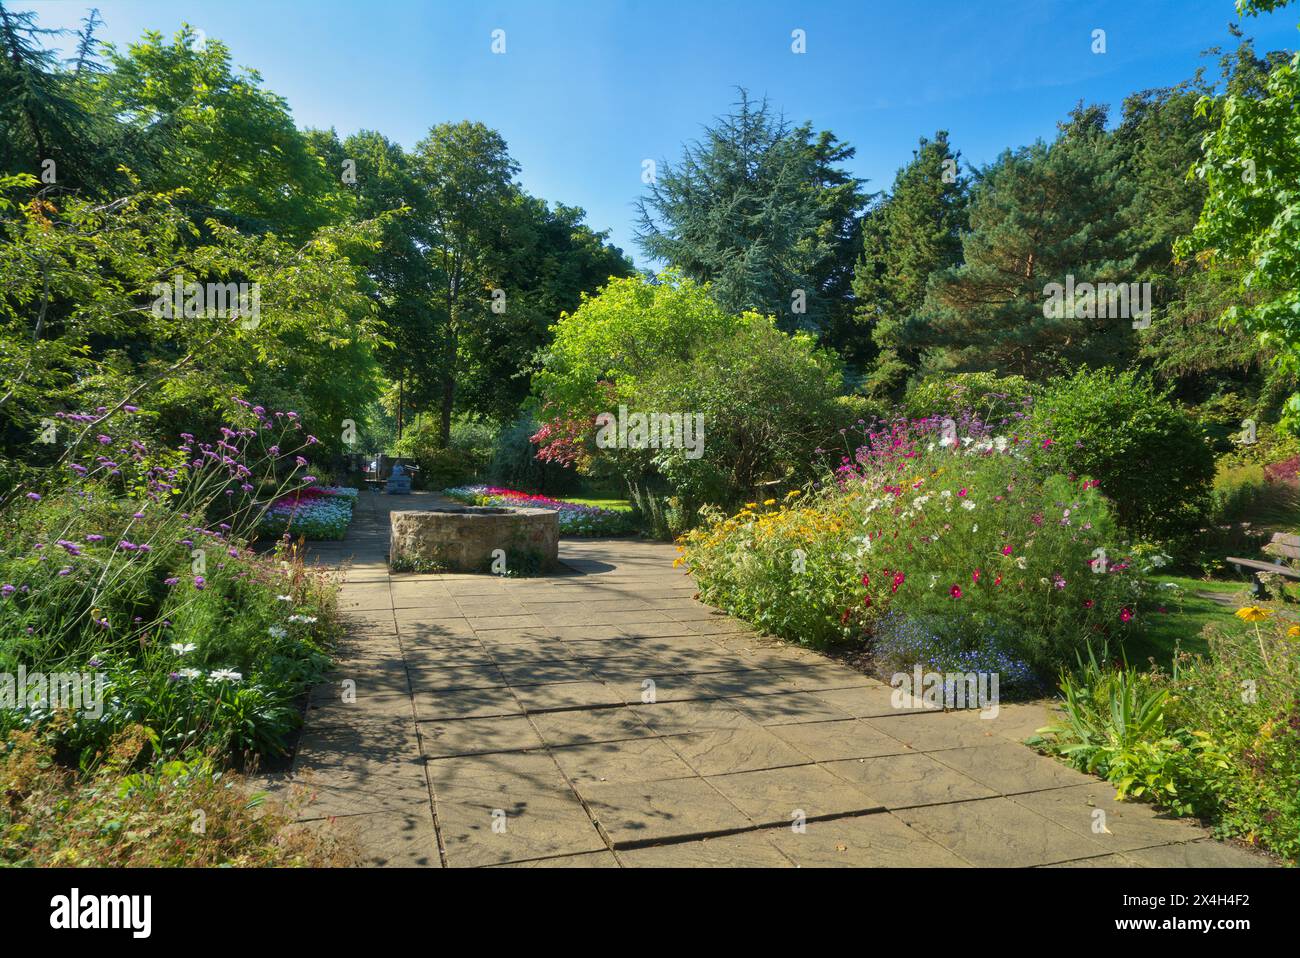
x=140 y=572
x=758 y=210
x=629 y=331
x=766 y=399
x=514 y=463
x=991 y=396
x=1200 y=741
x=1251 y=216
x=907 y=237
x=1150 y=458
x=463 y=458
x=1115 y=727
x=229 y=142
x=79 y=326
x=1037 y=216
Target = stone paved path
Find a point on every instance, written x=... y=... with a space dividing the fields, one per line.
x=511 y=722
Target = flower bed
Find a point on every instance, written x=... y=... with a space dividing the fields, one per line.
x=995 y=561
x=575 y=519
x=136 y=570
x=317 y=512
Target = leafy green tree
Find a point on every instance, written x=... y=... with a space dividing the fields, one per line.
x=907 y=237
x=762 y=212
x=544 y=260
x=467 y=175
x=1121 y=430
x=1038 y=215
x=622 y=335
x=82 y=323
x=218 y=133
x=1251 y=218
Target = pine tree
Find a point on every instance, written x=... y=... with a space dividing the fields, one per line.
x=41 y=117
x=760 y=210
x=1040 y=215
x=907 y=237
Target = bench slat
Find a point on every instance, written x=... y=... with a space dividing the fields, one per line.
x=1264 y=567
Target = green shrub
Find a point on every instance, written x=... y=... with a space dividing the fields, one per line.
x=1150 y=457
x=462 y=460
x=990 y=396
x=766 y=399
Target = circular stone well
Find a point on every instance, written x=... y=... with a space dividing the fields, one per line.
x=466 y=539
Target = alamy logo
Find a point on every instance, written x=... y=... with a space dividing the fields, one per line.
x=81 y=692
x=1098 y=301
x=953 y=690
x=73 y=911
x=641 y=430
x=179 y=299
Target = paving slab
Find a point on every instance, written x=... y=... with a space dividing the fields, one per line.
x=876 y=840
x=677 y=808
x=909 y=779
x=478 y=831
x=580 y=726
x=477 y=736
x=627 y=761
x=722 y=751
x=743 y=850
x=998 y=833
x=838 y=739
x=1202 y=854
x=385 y=839
x=604 y=859
x=783 y=795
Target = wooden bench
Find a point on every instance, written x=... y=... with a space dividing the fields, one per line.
x=1284 y=545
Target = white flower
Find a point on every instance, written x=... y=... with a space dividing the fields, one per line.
x=225 y=675
x=189 y=673
x=276 y=632
x=285 y=598
x=947 y=494
x=975 y=528
x=181 y=648
x=302 y=618
x=1020 y=561
x=966 y=440
x=968 y=505
x=1000 y=443
x=948 y=441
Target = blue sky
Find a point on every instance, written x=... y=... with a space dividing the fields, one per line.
x=587 y=89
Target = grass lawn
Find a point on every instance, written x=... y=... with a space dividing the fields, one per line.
x=1181 y=625
x=620 y=505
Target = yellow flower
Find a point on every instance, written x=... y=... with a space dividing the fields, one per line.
x=751 y=505
x=792 y=493
x=678 y=561
x=769 y=502
x=1253 y=613
x=1294 y=632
